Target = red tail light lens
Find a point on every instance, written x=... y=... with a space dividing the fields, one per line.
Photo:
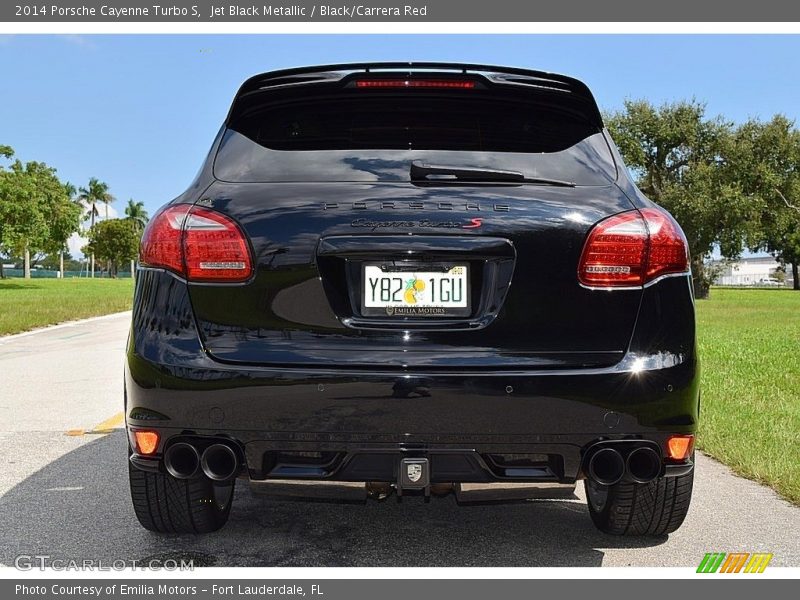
x=200 y=244
x=669 y=251
x=615 y=252
x=416 y=83
x=214 y=248
x=161 y=241
x=632 y=248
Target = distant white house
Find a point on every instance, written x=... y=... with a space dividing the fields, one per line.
x=754 y=270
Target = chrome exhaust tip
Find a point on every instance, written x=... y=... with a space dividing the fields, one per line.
x=643 y=465
x=606 y=466
x=219 y=462
x=182 y=460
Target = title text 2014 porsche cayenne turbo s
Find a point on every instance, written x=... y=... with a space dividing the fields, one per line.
x=420 y=277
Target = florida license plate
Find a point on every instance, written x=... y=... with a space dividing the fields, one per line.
x=425 y=293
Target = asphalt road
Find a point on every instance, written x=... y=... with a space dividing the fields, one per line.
x=64 y=493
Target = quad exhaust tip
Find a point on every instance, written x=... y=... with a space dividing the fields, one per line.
x=606 y=466
x=643 y=465
x=182 y=460
x=219 y=462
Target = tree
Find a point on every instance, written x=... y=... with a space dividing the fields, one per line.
x=114 y=240
x=766 y=158
x=72 y=193
x=61 y=261
x=779 y=274
x=53 y=261
x=63 y=217
x=135 y=212
x=138 y=216
x=96 y=192
x=92 y=195
x=678 y=157
x=22 y=223
x=784 y=242
x=5 y=152
x=35 y=213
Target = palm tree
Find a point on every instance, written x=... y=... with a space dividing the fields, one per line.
x=135 y=212
x=96 y=191
x=71 y=192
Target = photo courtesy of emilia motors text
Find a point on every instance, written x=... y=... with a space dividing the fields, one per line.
x=414 y=299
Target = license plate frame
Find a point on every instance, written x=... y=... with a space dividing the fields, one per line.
x=426 y=310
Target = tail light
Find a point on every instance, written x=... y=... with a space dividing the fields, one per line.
x=199 y=244
x=633 y=248
x=458 y=84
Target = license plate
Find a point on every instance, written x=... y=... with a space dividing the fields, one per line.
x=424 y=293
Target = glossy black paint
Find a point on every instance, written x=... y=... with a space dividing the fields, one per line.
x=296 y=310
x=288 y=362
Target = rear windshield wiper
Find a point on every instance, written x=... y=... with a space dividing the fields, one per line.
x=421 y=172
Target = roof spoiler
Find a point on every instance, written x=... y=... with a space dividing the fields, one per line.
x=549 y=83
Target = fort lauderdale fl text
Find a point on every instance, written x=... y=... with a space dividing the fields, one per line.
x=265 y=11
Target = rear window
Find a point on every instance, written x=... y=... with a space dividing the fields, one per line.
x=352 y=138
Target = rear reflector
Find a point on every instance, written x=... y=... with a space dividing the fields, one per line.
x=633 y=248
x=146 y=441
x=415 y=83
x=679 y=447
x=200 y=244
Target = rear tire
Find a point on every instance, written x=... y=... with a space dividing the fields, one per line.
x=655 y=508
x=165 y=504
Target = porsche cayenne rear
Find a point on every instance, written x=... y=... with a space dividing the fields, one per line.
x=419 y=278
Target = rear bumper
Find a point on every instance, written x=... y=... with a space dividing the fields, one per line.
x=356 y=425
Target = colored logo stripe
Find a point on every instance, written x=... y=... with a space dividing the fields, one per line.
x=711 y=562
x=734 y=562
x=758 y=562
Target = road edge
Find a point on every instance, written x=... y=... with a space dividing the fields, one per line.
x=62 y=325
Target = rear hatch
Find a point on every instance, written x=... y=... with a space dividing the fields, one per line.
x=415 y=220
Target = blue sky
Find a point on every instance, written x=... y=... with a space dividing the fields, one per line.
x=140 y=112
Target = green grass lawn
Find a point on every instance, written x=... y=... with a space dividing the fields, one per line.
x=29 y=303
x=750 y=408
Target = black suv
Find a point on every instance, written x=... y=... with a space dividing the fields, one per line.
x=424 y=277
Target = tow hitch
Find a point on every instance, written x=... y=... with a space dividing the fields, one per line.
x=414 y=474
